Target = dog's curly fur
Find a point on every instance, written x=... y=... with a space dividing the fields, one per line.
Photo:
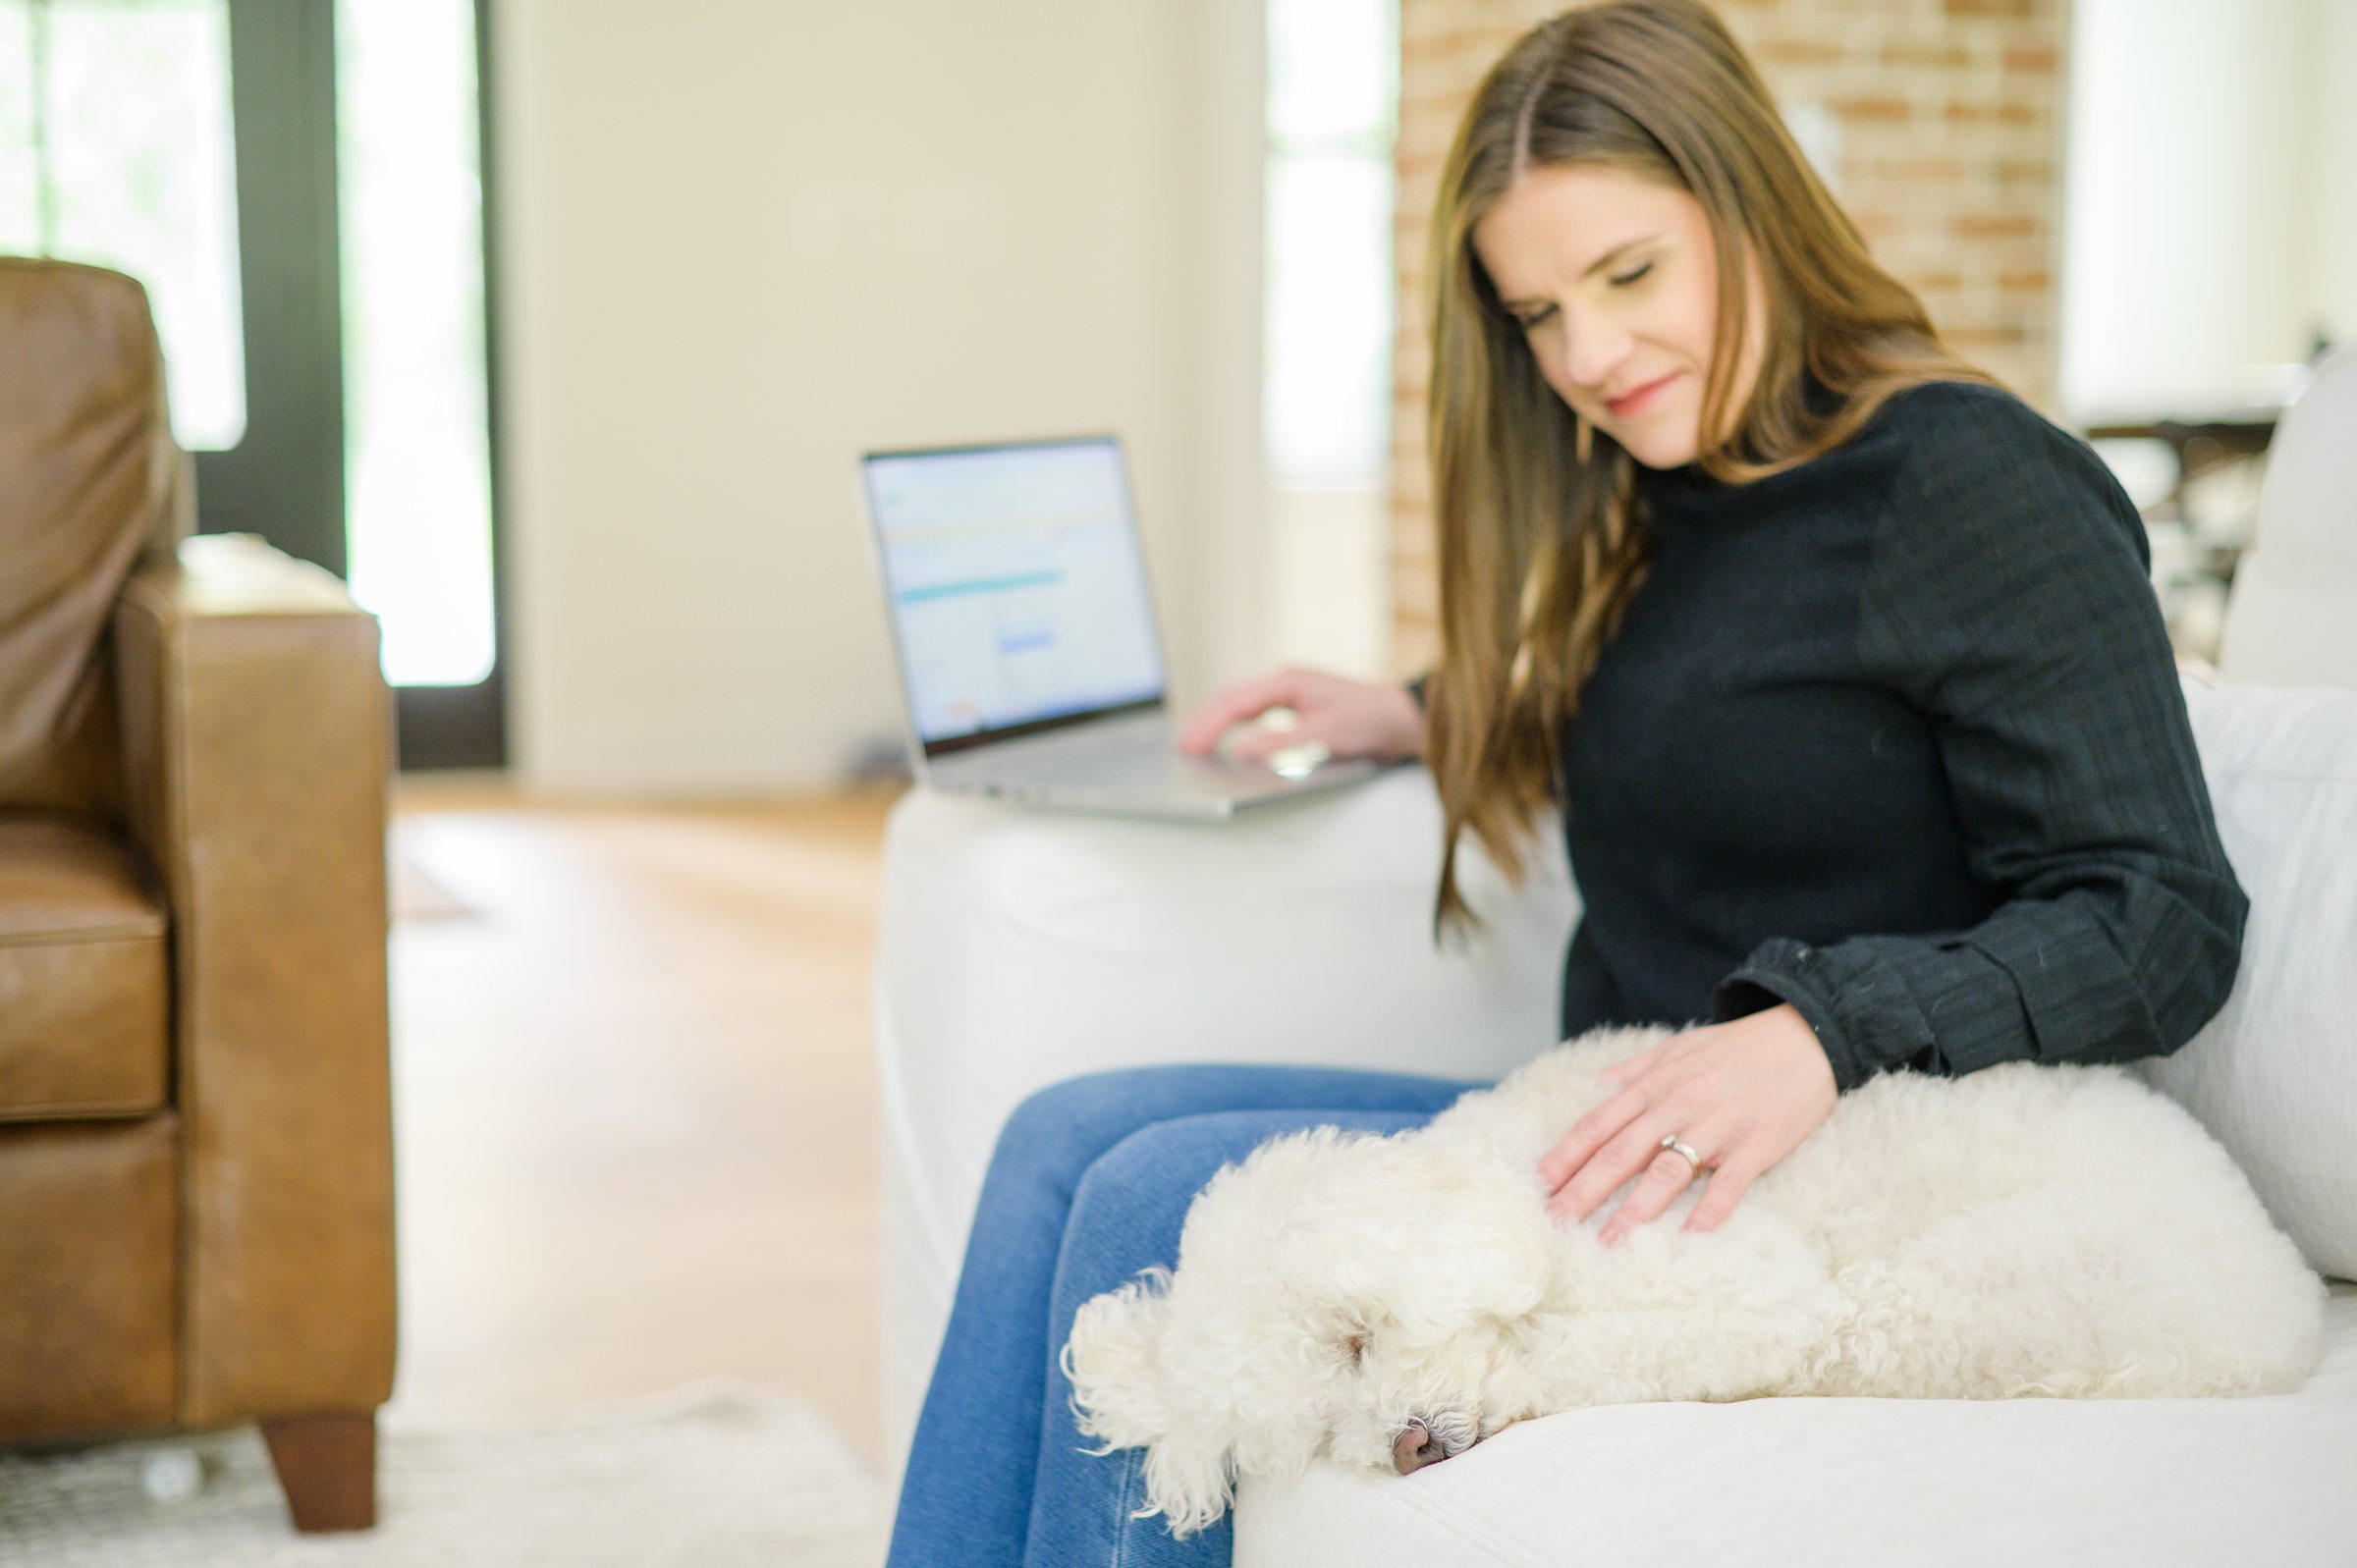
x=2025 y=1230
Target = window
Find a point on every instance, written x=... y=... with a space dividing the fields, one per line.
x=1331 y=107
x=116 y=149
x=417 y=486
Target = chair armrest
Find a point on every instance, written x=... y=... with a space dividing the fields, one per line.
x=257 y=746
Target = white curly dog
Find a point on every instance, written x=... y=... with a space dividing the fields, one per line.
x=1388 y=1300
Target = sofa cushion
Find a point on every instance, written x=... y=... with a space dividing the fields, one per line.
x=88 y=476
x=2293 y=616
x=2147 y=1482
x=2274 y=1076
x=89 y=1220
x=84 y=996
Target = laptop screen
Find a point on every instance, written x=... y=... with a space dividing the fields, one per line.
x=1017 y=584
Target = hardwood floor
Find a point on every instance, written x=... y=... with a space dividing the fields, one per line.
x=634 y=1105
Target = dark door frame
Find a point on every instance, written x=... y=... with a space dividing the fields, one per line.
x=466 y=726
x=285 y=479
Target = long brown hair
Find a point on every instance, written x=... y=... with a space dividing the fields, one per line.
x=1541 y=543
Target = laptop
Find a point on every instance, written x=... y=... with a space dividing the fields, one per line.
x=1031 y=666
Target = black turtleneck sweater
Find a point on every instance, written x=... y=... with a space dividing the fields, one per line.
x=1897 y=736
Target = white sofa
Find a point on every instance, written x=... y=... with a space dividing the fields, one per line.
x=1019 y=949
x=2294 y=613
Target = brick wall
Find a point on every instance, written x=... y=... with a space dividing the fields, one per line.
x=1949 y=117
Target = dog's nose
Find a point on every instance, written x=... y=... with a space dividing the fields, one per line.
x=1415 y=1448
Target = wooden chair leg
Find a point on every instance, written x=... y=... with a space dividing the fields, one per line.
x=327 y=1467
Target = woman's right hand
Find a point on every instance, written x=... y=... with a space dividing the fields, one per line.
x=1351 y=718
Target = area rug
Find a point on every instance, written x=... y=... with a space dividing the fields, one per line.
x=711 y=1476
x=415 y=892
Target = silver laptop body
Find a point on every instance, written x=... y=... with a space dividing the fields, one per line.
x=1023 y=625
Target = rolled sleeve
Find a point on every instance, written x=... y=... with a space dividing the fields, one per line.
x=2008 y=600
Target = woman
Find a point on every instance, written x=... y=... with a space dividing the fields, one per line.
x=1839 y=663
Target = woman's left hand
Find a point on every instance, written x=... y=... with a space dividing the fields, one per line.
x=1741 y=1095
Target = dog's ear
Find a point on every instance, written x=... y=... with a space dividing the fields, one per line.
x=1125 y=1393
x=1191 y=1479
x=1121 y=1391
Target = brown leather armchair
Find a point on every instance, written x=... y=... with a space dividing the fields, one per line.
x=196 y=1138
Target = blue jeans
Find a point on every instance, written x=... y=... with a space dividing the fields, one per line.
x=1089 y=1183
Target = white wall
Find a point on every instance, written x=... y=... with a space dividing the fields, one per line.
x=2332 y=191
x=741 y=241
x=2210 y=216
x=1329 y=576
